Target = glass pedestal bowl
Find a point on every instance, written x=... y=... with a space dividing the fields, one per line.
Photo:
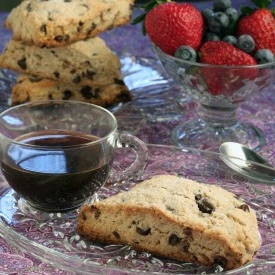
x=218 y=91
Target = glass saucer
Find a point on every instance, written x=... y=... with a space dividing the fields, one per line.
x=55 y=240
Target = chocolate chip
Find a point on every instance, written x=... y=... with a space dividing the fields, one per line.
x=43 y=28
x=198 y=197
x=56 y=74
x=90 y=74
x=50 y=18
x=119 y=81
x=96 y=92
x=54 y=53
x=96 y=211
x=76 y=79
x=188 y=231
x=29 y=7
x=22 y=63
x=173 y=240
x=84 y=217
x=93 y=26
x=67 y=94
x=59 y=38
x=66 y=38
x=124 y=97
x=87 y=92
x=204 y=205
x=35 y=79
x=80 y=26
x=220 y=260
x=143 y=232
x=169 y=208
x=110 y=27
x=116 y=234
x=244 y=207
x=85 y=6
x=185 y=246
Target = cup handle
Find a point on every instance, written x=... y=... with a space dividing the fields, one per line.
x=135 y=167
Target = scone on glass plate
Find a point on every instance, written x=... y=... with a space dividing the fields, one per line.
x=176 y=218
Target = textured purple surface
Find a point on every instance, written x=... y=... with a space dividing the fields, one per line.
x=149 y=123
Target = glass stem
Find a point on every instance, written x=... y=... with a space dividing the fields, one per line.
x=218 y=116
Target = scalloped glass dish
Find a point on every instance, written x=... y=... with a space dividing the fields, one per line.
x=52 y=238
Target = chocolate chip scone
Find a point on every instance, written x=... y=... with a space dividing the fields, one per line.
x=47 y=23
x=85 y=62
x=176 y=218
x=33 y=88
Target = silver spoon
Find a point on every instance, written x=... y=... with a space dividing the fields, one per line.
x=247 y=162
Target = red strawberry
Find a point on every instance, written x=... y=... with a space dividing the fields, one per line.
x=170 y=25
x=260 y=24
x=222 y=53
x=225 y=79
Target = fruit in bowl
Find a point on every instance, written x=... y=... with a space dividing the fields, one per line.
x=230 y=58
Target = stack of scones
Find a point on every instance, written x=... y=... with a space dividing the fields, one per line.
x=58 y=54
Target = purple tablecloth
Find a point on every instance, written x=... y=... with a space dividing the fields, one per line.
x=259 y=110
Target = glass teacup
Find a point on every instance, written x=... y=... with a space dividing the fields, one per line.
x=57 y=154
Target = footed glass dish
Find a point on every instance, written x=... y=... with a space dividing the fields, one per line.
x=218 y=91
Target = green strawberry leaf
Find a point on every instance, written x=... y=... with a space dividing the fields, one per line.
x=247 y=10
x=258 y=4
x=147 y=7
x=231 y=30
x=138 y=19
x=262 y=3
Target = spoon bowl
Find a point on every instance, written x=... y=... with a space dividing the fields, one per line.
x=247 y=162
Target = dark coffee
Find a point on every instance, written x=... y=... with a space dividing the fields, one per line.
x=58 y=173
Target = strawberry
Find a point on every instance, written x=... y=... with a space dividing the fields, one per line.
x=170 y=25
x=260 y=24
x=222 y=53
x=223 y=79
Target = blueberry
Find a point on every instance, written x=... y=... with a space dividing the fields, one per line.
x=231 y=39
x=232 y=14
x=218 y=22
x=221 y=5
x=246 y=43
x=207 y=13
x=186 y=53
x=210 y=36
x=264 y=56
